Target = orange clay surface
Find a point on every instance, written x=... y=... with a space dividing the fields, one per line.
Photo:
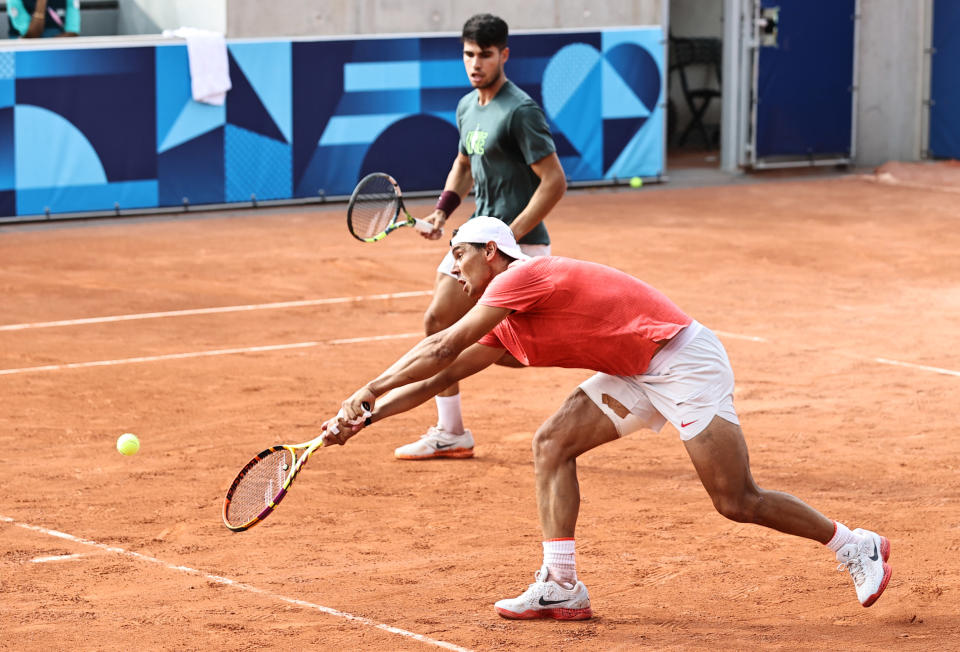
x=818 y=288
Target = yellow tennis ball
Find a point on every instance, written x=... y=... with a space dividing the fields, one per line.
x=636 y=182
x=128 y=444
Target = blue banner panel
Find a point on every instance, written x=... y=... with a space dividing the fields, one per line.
x=390 y=105
x=805 y=83
x=106 y=97
x=945 y=81
x=95 y=197
x=100 y=128
x=8 y=178
x=193 y=172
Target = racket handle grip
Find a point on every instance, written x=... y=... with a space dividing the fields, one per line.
x=364 y=419
x=422 y=226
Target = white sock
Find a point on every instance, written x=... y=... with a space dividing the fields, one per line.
x=841 y=537
x=449 y=417
x=560 y=557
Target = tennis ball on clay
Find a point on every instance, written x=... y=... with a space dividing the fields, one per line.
x=636 y=182
x=128 y=444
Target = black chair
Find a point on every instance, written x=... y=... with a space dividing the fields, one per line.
x=697 y=60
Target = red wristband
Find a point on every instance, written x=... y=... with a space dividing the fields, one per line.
x=448 y=202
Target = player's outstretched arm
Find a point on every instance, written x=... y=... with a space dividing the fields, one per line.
x=553 y=184
x=429 y=357
x=474 y=359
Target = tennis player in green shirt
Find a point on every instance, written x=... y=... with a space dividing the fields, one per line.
x=508 y=157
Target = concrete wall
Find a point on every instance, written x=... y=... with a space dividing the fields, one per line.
x=154 y=16
x=891 y=81
x=249 y=18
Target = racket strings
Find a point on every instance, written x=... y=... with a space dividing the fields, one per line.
x=375 y=206
x=259 y=487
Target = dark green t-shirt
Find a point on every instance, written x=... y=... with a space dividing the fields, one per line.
x=502 y=139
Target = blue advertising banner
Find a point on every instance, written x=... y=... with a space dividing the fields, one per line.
x=116 y=128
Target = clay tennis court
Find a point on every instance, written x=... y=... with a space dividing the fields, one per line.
x=837 y=299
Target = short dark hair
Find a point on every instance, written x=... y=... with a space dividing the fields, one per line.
x=485 y=30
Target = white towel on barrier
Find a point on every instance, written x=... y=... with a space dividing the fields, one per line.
x=209 y=70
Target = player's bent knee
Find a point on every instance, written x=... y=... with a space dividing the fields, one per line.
x=550 y=448
x=740 y=507
x=544 y=447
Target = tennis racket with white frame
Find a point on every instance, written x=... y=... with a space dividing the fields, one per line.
x=265 y=480
x=376 y=209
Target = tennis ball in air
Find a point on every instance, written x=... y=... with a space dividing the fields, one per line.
x=128 y=444
x=636 y=182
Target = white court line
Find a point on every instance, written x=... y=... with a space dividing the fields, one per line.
x=41 y=560
x=897 y=363
x=210 y=311
x=235 y=584
x=737 y=336
x=202 y=354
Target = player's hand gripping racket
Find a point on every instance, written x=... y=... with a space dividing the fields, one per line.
x=375 y=209
x=265 y=480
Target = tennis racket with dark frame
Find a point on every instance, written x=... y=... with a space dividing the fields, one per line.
x=375 y=209
x=265 y=480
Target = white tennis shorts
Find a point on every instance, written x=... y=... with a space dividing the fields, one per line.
x=532 y=250
x=689 y=382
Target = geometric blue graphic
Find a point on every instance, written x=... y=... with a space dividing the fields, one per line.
x=567 y=71
x=265 y=66
x=90 y=128
x=71 y=199
x=619 y=100
x=172 y=87
x=246 y=108
x=437 y=74
x=353 y=129
x=391 y=152
x=8 y=92
x=51 y=152
x=372 y=102
x=195 y=119
x=172 y=73
x=573 y=100
x=114 y=108
x=381 y=75
x=40 y=64
x=639 y=71
x=600 y=101
x=8 y=65
x=642 y=155
x=331 y=170
x=256 y=165
x=617 y=134
x=7 y=169
x=8 y=202
x=192 y=171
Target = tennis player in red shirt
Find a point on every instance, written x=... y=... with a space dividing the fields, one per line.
x=654 y=364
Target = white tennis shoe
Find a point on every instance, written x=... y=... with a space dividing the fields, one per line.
x=547 y=599
x=437 y=443
x=866 y=562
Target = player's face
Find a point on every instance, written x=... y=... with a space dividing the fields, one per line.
x=484 y=65
x=472 y=269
